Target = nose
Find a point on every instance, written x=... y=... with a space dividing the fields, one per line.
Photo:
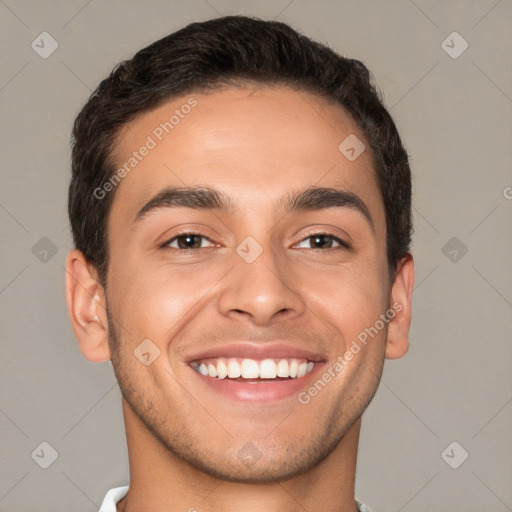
x=262 y=291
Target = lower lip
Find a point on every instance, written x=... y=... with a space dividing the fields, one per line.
x=270 y=391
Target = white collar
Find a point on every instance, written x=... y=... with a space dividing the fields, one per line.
x=112 y=497
x=118 y=493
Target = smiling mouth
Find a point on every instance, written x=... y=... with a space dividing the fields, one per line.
x=253 y=370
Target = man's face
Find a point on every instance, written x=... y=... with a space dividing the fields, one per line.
x=212 y=296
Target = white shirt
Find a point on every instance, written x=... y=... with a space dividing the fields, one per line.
x=118 y=493
x=112 y=497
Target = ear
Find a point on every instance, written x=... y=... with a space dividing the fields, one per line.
x=86 y=303
x=401 y=303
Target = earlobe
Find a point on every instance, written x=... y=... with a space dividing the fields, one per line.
x=401 y=303
x=86 y=304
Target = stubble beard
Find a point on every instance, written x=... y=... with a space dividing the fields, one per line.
x=277 y=464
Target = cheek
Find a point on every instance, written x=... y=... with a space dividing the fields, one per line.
x=155 y=300
x=351 y=298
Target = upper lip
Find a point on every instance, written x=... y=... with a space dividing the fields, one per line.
x=261 y=350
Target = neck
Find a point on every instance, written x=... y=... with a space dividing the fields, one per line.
x=159 y=480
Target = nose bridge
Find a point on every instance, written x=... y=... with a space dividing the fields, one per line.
x=260 y=284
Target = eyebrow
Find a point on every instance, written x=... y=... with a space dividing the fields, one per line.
x=207 y=198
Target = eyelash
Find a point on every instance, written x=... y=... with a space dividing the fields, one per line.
x=342 y=243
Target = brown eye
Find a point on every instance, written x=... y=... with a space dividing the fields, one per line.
x=186 y=241
x=322 y=241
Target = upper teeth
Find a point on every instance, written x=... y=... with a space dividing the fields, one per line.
x=252 y=368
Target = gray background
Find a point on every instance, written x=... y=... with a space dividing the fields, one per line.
x=455 y=117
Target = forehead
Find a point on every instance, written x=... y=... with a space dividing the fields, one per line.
x=253 y=143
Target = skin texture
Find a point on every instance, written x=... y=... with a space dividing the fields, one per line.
x=255 y=145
